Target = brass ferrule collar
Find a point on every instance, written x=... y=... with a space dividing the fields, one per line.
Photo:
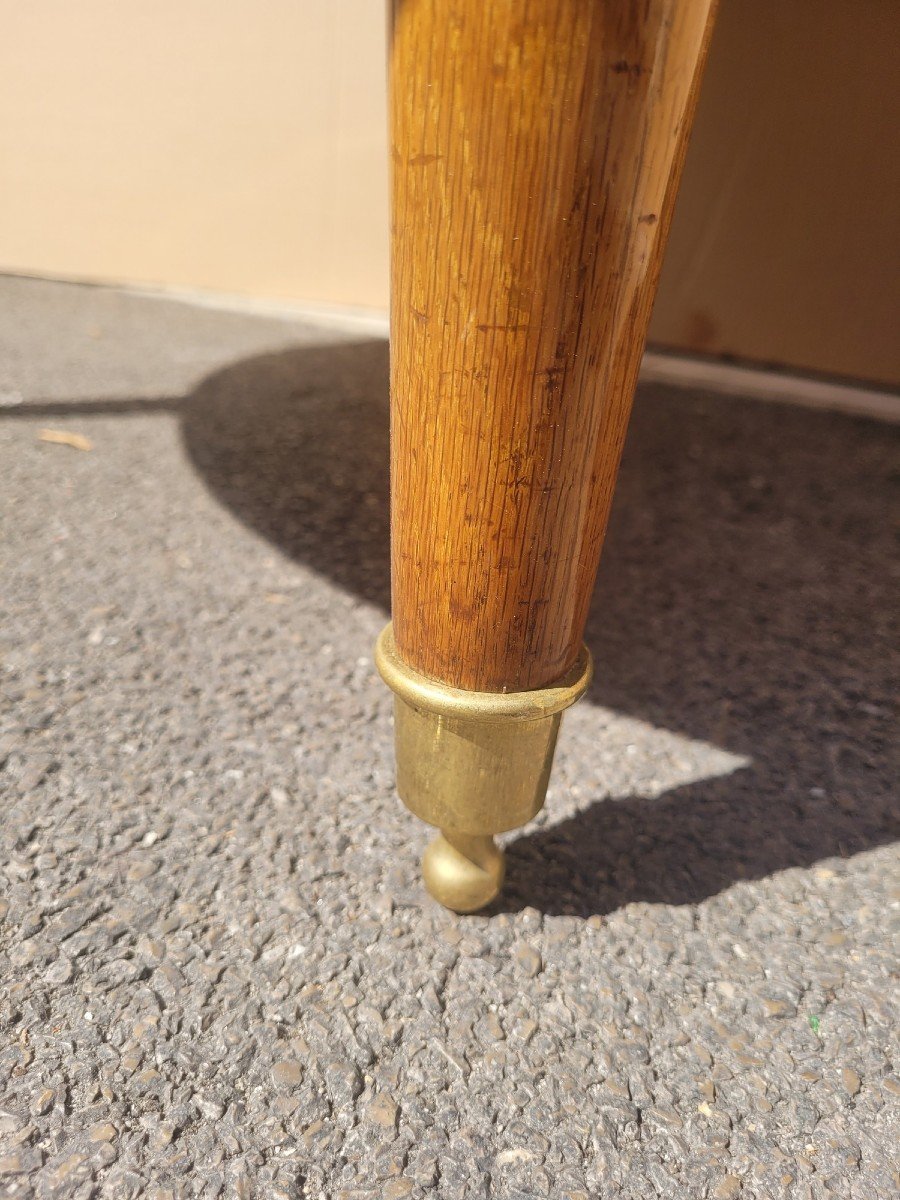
x=429 y=695
x=473 y=763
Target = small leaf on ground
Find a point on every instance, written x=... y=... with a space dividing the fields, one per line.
x=61 y=438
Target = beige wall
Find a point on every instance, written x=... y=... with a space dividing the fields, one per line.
x=786 y=240
x=205 y=143
x=240 y=146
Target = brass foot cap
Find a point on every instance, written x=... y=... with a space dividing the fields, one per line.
x=463 y=871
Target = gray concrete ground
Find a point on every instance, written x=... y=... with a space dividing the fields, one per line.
x=220 y=976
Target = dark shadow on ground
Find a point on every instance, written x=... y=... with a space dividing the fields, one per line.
x=744 y=598
x=296 y=445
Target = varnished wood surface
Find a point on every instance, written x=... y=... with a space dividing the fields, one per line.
x=536 y=149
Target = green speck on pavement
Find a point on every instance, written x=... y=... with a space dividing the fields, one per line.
x=814 y=1024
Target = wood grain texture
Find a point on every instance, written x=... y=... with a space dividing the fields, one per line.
x=536 y=149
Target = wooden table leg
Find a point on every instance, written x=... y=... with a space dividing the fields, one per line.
x=536 y=151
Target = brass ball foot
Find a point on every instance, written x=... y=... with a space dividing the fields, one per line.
x=463 y=871
x=476 y=761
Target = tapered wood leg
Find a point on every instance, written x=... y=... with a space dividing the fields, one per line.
x=536 y=150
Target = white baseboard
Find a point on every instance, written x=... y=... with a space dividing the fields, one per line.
x=678 y=370
x=761 y=383
x=687 y=371
x=372 y=321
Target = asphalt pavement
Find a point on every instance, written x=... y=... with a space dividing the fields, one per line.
x=219 y=975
